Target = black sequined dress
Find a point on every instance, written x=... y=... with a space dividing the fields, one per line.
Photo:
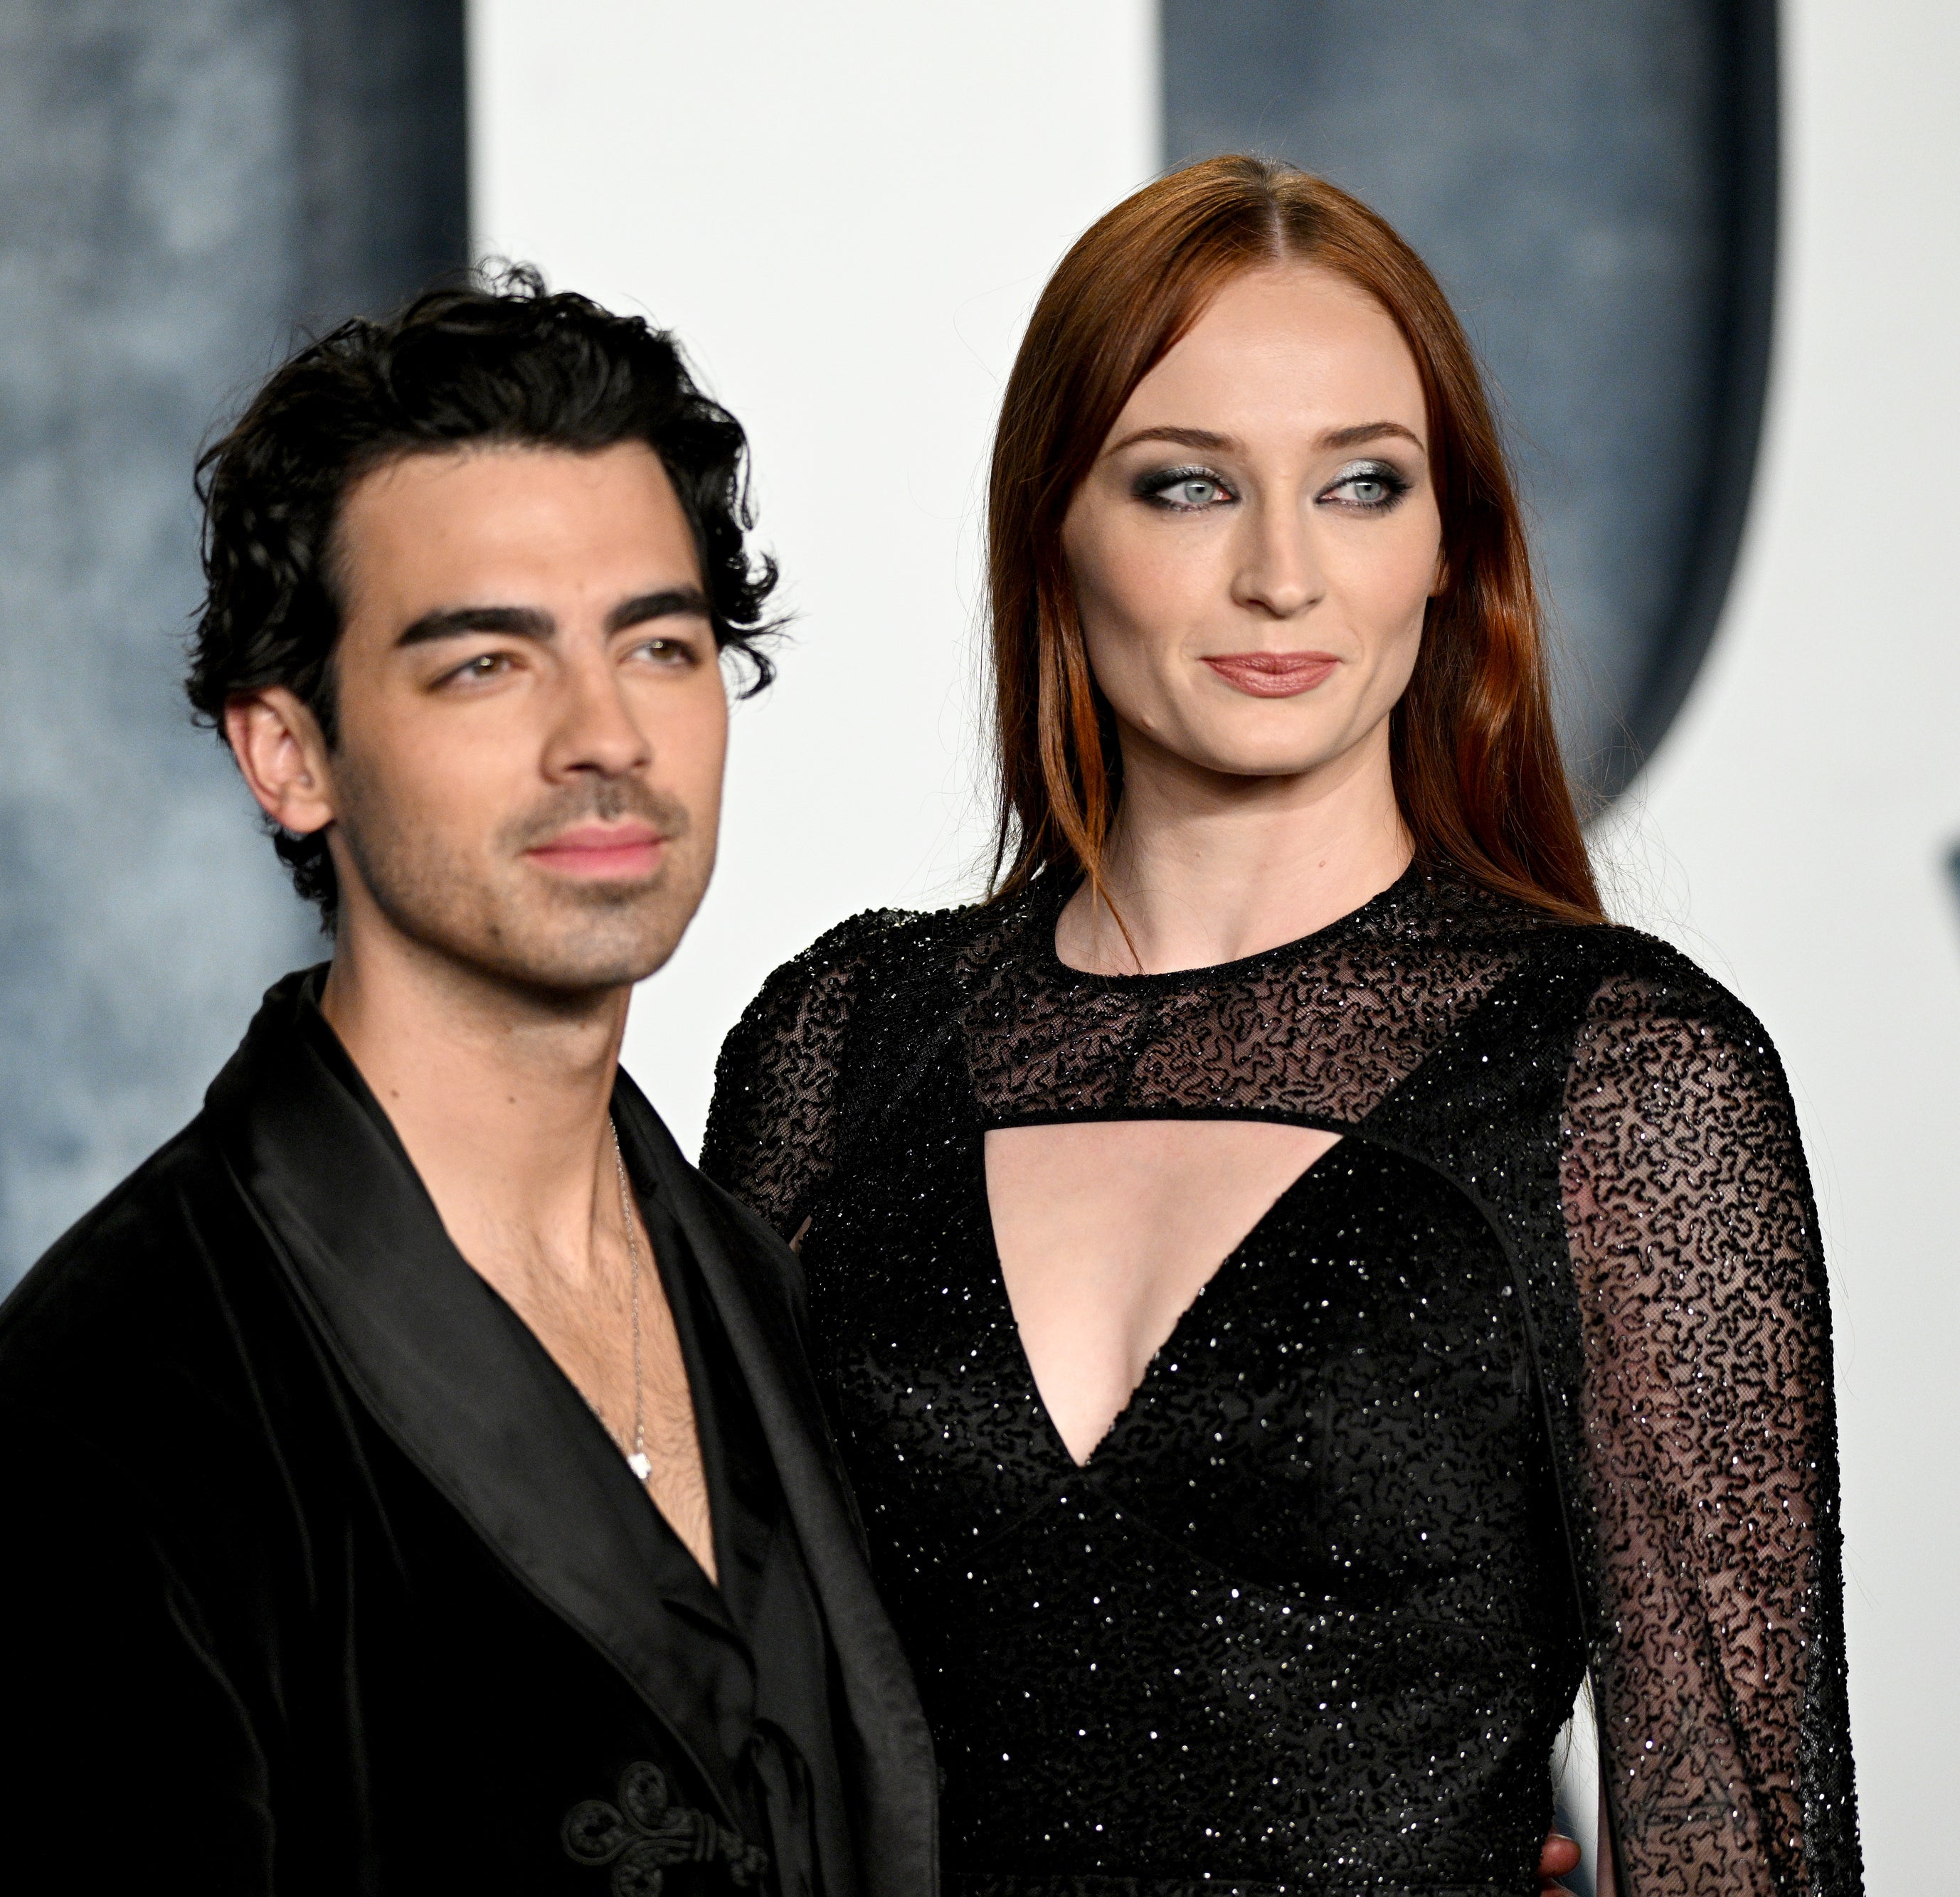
x=1529 y=1373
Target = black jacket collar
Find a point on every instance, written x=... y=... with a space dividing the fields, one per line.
x=460 y=1383
x=450 y=1372
x=897 y=1786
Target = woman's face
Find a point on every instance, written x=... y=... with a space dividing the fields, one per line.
x=1254 y=549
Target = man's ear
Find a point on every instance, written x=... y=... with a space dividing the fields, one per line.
x=282 y=754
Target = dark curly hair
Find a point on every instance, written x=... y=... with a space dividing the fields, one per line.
x=494 y=359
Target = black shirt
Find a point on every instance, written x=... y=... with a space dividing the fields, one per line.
x=321 y=1576
x=774 y=1713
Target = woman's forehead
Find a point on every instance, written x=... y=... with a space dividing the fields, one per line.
x=1290 y=345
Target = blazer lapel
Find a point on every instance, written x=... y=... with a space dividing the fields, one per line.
x=751 y=1293
x=455 y=1377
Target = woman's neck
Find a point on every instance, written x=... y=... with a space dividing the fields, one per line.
x=1204 y=867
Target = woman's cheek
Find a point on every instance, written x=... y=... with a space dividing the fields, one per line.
x=1119 y=661
x=1140 y=582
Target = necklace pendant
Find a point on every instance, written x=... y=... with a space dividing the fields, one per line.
x=640 y=1466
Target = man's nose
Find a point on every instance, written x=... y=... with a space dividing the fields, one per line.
x=595 y=728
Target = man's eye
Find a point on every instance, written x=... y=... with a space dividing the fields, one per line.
x=485 y=665
x=665 y=652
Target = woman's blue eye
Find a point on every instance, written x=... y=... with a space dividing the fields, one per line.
x=1374 y=489
x=1188 y=493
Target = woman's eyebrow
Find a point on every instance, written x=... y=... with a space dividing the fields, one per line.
x=1210 y=439
x=1182 y=437
x=1367 y=432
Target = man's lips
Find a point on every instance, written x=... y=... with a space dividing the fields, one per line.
x=1272 y=674
x=602 y=850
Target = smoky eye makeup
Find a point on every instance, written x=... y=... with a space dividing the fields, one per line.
x=1186 y=490
x=1367 y=486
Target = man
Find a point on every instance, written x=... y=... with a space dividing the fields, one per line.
x=414 y=1480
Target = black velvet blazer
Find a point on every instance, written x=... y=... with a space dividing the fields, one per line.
x=320 y=1576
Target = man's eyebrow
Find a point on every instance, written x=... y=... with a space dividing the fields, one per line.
x=1367 y=432
x=456 y=622
x=670 y=602
x=531 y=622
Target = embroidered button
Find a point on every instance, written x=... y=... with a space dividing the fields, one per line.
x=647 y=1835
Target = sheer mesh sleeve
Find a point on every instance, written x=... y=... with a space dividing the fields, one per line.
x=1711 y=1447
x=772 y=1125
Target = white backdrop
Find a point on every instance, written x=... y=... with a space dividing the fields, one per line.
x=846 y=212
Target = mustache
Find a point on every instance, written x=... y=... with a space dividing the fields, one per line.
x=605 y=800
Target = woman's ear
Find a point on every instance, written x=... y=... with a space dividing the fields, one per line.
x=1439 y=582
x=282 y=754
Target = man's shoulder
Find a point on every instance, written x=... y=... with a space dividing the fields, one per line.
x=143 y=1288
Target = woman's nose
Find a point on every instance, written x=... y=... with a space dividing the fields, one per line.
x=1278 y=571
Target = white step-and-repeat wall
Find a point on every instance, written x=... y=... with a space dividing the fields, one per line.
x=845 y=211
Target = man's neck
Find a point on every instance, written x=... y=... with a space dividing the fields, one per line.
x=1206 y=868
x=501 y=1096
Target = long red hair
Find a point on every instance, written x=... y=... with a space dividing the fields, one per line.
x=1476 y=765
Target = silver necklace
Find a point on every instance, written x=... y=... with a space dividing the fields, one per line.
x=637 y=1461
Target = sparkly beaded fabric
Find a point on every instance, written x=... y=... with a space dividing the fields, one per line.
x=1530 y=1373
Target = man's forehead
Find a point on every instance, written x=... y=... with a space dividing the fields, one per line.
x=511 y=467
x=511 y=523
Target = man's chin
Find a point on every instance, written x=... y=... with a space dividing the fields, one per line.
x=573 y=958
x=558 y=940
x=573 y=982
x=587 y=965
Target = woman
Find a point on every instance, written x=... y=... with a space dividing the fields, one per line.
x=1301 y=1288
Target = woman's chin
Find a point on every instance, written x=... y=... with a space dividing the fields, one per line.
x=1261 y=754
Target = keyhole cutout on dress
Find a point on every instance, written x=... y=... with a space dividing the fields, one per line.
x=1106 y=1232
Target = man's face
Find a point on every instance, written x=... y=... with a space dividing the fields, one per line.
x=532 y=721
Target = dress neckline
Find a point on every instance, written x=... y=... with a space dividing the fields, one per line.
x=1232 y=1267
x=1215 y=972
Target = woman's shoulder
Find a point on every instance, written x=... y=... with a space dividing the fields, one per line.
x=870 y=961
x=840 y=954
x=890 y=950
x=874 y=945
x=1643 y=983
x=1630 y=995
x=1665 y=1052
x=773 y=1123
x=1623 y=973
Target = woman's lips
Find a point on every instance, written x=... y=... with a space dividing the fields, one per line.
x=608 y=852
x=1272 y=674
